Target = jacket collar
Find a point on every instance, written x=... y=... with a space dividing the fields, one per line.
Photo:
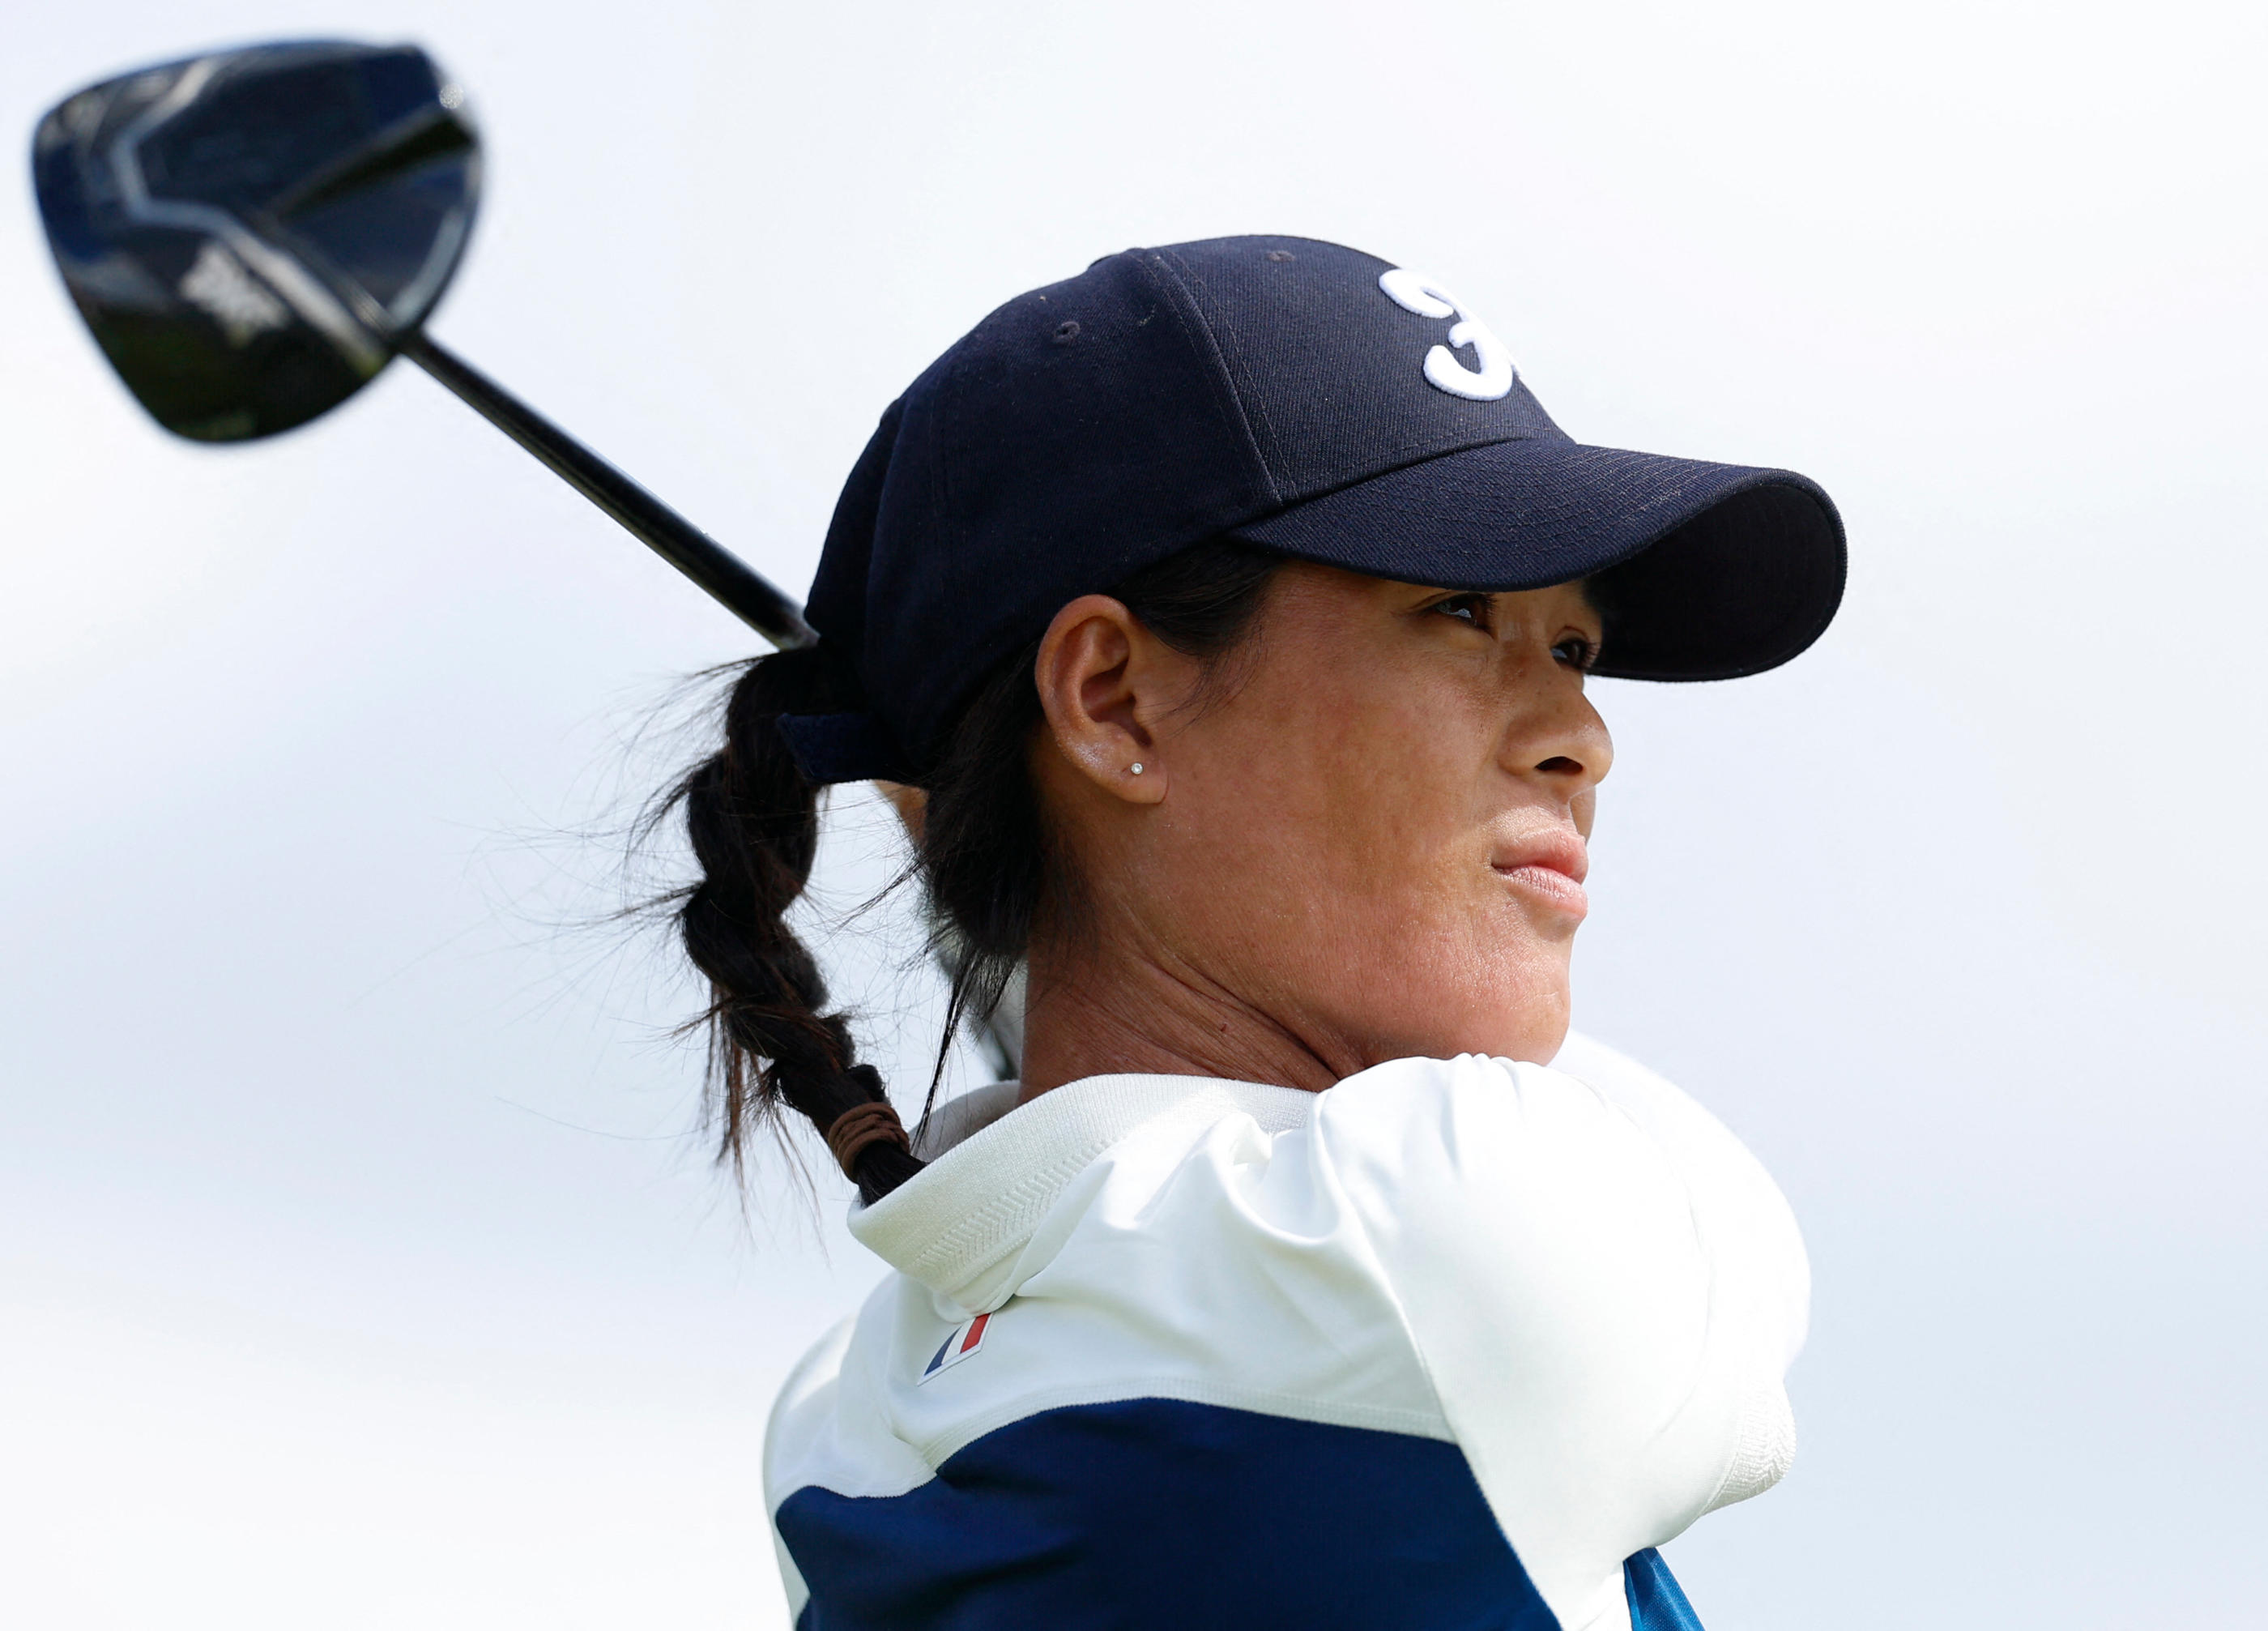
x=962 y=1225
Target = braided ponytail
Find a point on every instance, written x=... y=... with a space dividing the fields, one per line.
x=983 y=855
x=753 y=822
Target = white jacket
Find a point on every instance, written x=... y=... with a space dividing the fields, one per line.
x=1454 y=1343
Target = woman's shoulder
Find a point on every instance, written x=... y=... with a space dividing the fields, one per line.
x=1588 y=1089
x=1739 y=1210
x=1597 y=1276
x=1594 y=1168
x=1508 y=1105
x=1526 y=1186
x=1590 y=1098
x=1426 y=1139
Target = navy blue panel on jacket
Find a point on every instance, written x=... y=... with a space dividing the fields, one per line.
x=1656 y=1604
x=1158 y=1512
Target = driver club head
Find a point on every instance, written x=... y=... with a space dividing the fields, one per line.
x=248 y=233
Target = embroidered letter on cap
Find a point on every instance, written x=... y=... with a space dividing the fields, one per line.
x=1414 y=292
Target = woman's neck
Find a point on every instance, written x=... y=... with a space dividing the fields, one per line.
x=1131 y=1014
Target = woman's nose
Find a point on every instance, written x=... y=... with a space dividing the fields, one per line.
x=1567 y=745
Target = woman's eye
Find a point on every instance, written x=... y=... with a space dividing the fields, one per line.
x=1472 y=609
x=1577 y=651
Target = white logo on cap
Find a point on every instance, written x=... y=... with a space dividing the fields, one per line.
x=1414 y=292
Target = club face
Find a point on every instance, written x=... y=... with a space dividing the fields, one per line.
x=246 y=232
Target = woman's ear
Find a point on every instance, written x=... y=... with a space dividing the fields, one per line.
x=1104 y=682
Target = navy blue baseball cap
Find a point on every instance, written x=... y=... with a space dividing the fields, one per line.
x=1300 y=396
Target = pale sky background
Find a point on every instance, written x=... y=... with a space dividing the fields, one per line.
x=355 y=1270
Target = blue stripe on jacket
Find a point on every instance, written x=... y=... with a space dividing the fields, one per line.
x=1158 y=1513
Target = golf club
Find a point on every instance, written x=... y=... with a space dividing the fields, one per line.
x=252 y=235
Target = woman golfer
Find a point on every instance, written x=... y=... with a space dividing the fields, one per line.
x=1231 y=603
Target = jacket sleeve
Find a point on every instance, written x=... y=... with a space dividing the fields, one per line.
x=1605 y=1328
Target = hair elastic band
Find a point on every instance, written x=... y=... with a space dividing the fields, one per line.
x=874 y=1122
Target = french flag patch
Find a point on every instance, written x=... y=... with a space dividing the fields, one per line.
x=965 y=1340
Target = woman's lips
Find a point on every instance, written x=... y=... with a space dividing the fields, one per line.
x=1549 y=870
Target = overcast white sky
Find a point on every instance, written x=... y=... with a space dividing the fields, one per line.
x=353 y=1267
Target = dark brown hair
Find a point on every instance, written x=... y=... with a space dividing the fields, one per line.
x=984 y=859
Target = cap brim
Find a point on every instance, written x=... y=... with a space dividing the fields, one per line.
x=1716 y=570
